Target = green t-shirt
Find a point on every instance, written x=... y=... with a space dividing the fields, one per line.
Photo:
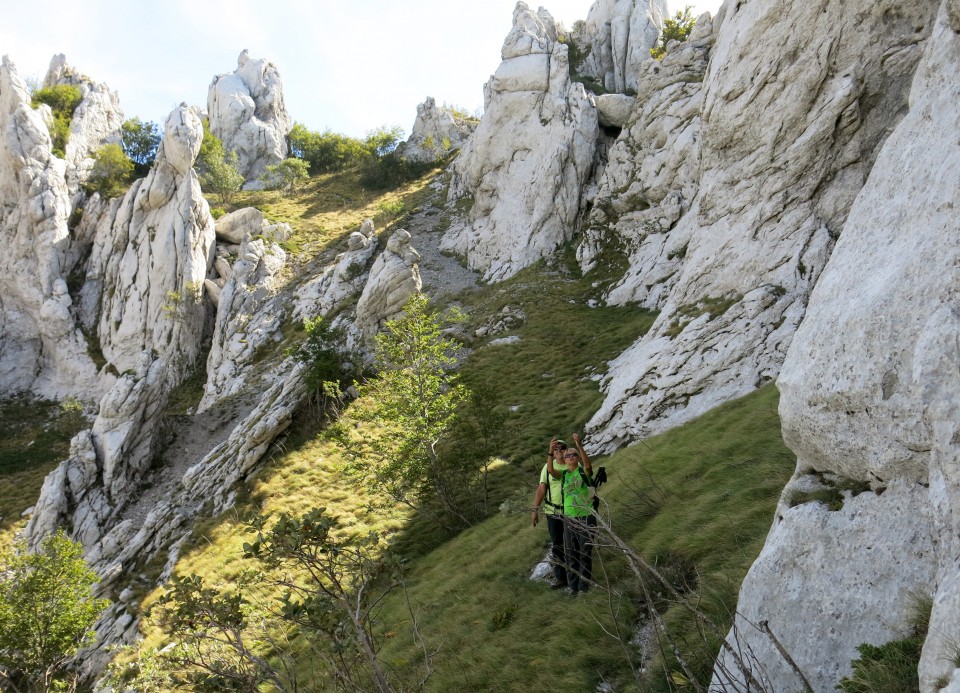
x=577 y=494
x=554 y=489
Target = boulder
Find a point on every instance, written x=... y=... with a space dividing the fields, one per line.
x=239 y=226
x=247 y=113
x=345 y=277
x=530 y=158
x=41 y=349
x=614 y=110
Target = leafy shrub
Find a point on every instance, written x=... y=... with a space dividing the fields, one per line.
x=216 y=167
x=217 y=212
x=111 y=171
x=63 y=100
x=286 y=175
x=326 y=151
x=140 y=142
x=676 y=29
x=330 y=366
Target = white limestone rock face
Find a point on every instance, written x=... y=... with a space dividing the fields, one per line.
x=247 y=113
x=394 y=277
x=617 y=38
x=869 y=393
x=151 y=254
x=730 y=250
x=528 y=162
x=41 y=349
x=96 y=121
x=436 y=133
x=249 y=314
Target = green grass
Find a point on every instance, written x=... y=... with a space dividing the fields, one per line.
x=697 y=501
x=34 y=437
x=324 y=210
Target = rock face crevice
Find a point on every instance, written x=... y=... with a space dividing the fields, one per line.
x=869 y=393
x=526 y=166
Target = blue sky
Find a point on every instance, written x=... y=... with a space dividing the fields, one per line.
x=349 y=66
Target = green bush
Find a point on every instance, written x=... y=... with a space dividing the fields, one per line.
x=216 y=167
x=326 y=151
x=286 y=175
x=140 y=142
x=111 y=171
x=63 y=100
x=676 y=29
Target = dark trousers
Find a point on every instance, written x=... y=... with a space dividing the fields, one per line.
x=555 y=527
x=578 y=550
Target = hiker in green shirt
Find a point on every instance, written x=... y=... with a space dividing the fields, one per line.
x=550 y=494
x=578 y=517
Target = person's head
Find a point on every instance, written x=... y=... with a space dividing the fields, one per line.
x=571 y=458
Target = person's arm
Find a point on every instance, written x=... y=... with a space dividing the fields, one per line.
x=584 y=457
x=551 y=456
x=537 y=502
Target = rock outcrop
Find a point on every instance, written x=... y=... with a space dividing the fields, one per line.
x=394 y=277
x=728 y=246
x=869 y=400
x=247 y=113
x=96 y=120
x=530 y=158
x=41 y=349
x=151 y=253
x=436 y=133
x=616 y=41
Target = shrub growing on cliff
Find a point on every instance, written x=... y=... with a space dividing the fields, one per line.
x=286 y=175
x=47 y=610
x=677 y=28
x=63 y=100
x=111 y=171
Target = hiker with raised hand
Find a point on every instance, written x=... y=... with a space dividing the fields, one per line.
x=549 y=493
x=578 y=518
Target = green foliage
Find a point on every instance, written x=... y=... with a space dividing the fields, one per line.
x=460 y=113
x=410 y=409
x=325 y=151
x=326 y=589
x=140 y=142
x=217 y=212
x=831 y=492
x=677 y=28
x=286 y=175
x=111 y=171
x=330 y=366
x=47 y=610
x=217 y=168
x=63 y=100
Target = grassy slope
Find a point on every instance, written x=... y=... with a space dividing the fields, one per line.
x=697 y=500
x=34 y=438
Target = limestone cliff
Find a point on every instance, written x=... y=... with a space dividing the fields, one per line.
x=530 y=158
x=869 y=399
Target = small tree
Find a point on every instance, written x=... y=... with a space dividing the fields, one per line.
x=411 y=408
x=140 y=142
x=47 y=610
x=286 y=175
x=111 y=171
x=676 y=29
x=216 y=167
